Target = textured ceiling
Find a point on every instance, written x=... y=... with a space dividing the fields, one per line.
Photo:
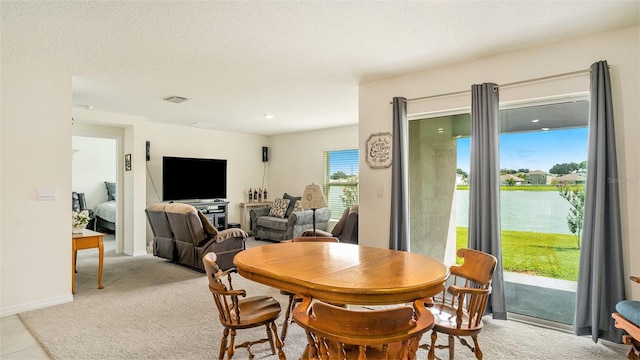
x=299 y=60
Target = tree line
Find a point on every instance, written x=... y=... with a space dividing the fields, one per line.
x=557 y=169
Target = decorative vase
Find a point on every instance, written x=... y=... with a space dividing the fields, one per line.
x=77 y=229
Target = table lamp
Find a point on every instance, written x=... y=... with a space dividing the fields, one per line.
x=313 y=199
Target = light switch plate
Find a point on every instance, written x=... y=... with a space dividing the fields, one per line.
x=46 y=194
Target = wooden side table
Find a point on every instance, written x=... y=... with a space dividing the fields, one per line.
x=87 y=240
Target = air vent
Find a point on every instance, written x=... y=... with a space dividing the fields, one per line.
x=176 y=99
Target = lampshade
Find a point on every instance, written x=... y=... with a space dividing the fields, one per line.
x=312 y=198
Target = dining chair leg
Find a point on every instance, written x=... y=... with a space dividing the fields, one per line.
x=223 y=344
x=432 y=351
x=279 y=343
x=452 y=343
x=477 y=350
x=287 y=317
x=271 y=340
x=231 y=349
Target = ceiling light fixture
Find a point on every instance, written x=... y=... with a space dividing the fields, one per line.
x=535 y=120
x=269 y=116
x=175 y=99
x=544 y=129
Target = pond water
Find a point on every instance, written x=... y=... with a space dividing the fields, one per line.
x=538 y=211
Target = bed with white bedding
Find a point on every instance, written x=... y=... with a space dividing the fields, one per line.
x=106 y=215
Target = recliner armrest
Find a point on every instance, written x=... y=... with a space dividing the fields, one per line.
x=229 y=234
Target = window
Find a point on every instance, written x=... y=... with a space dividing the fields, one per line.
x=340 y=180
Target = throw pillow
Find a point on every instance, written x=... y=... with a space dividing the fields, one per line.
x=292 y=202
x=279 y=208
x=297 y=207
x=111 y=190
x=207 y=225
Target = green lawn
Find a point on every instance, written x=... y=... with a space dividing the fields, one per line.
x=519 y=188
x=541 y=254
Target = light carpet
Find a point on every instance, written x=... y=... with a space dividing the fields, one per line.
x=153 y=309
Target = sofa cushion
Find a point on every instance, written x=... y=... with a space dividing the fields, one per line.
x=630 y=310
x=296 y=207
x=272 y=222
x=292 y=202
x=279 y=208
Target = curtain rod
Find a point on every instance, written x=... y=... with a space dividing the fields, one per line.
x=503 y=85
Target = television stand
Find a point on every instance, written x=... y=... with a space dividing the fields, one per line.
x=215 y=210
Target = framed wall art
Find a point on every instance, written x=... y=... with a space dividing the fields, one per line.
x=378 y=147
x=127 y=162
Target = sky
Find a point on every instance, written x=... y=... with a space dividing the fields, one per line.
x=538 y=150
x=344 y=160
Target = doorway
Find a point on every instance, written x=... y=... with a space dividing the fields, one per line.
x=94 y=174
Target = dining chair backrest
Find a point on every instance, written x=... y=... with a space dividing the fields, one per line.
x=292 y=297
x=459 y=309
x=225 y=297
x=315 y=239
x=335 y=332
x=236 y=311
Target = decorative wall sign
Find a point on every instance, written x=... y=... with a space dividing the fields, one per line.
x=379 y=150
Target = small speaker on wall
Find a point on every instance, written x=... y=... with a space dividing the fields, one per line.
x=148 y=150
x=265 y=154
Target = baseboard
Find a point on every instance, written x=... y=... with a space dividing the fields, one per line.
x=136 y=253
x=16 y=309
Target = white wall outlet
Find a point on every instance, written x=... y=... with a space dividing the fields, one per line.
x=379 y=191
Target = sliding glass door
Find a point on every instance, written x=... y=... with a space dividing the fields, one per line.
x=542 y=153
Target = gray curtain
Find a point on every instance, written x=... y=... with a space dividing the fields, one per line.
x=399 y=233
x=600 y=274
x=484 y=189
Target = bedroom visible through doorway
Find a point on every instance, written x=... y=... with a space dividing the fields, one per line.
x=94 y=173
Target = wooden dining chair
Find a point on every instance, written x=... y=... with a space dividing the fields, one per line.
x=293 y=300
x=459 y=309
x=236 y=313
x=335 y=332
x=627 y=318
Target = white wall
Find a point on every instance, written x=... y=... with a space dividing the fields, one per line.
x=94 y=162
x=619 y=48
x=296 y=160
x=35 y=236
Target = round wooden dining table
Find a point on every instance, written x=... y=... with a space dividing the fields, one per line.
x=341 y=273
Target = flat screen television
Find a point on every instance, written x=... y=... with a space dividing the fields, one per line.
x=193 y=179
